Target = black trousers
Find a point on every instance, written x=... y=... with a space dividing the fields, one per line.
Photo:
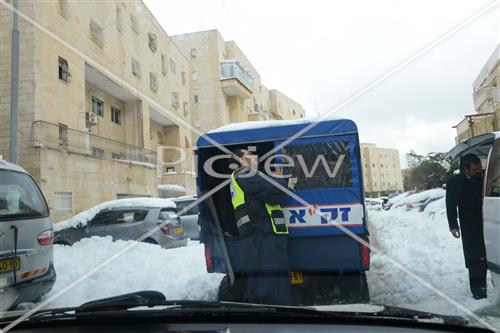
x=265 y=259
x=477 y=278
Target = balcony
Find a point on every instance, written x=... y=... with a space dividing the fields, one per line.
x=64 y=139
x=481 y=96
x=234 y=80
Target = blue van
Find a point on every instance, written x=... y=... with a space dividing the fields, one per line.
x=327 y=263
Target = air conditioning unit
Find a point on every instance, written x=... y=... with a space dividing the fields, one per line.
x=92 y=119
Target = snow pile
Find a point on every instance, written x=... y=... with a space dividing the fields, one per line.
x=425 y=247
x=178 y=273
x=421 y=196
x=87 y=215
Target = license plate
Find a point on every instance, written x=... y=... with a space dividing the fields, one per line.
x=8 y=265
x=296 y=278
x=178 y=230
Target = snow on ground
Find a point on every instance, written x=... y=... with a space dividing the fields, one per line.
x=422 y=243
x=87 y=215
x=178 y=273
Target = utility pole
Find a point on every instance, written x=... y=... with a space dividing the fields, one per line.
x=14 y=84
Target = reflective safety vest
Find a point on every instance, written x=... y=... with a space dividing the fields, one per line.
x=241 y=213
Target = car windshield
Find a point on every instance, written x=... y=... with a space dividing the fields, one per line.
x=20 y=197
x=298 y=153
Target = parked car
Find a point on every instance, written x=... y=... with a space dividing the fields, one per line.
x=415 y=201
x=396 y=199
x=424 y=205
x=374 y=203
x=487 y=146
x=189 y=217
x=26 y=251
x=126 y=219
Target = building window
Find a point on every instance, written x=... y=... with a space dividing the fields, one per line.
x=185 y=109
x=373 y=165
x=153 y=82
x=117 y=156
x=175 y=100
x=152 y=41
x=172 y=65
x=134 y=24
x=164 y=65
x=194 y=75
x=119 y=18
x=116 y=115
x=97 y=106
x=62 y=8
x=96 y=33
x=63 y=201
x=294 y=113
x=97 y=152
x=196 y=98
x=136 y=67
x=183 y=76
x=193 y=53
x=63 y=70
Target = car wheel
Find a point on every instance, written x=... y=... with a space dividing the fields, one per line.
x=150 y=241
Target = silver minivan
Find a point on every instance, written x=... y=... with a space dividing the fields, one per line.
x=26 y=251
x=487 y=147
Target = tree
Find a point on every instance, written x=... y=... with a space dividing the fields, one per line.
x=428 y=172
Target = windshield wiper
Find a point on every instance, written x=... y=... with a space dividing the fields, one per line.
x=147 y=298
x=124 y=305
x=403 y=313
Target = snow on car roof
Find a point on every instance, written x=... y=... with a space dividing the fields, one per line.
x=399 y=197
x=434 y=193
x=87 y=215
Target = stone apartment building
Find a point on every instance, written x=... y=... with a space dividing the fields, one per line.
x=225 y=87
x=486 y=96
x=101 y=86
x=381 y=170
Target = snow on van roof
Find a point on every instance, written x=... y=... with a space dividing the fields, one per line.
x=87 y=215
x=269 y=123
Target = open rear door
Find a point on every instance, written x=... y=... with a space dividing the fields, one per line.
x=479 y=145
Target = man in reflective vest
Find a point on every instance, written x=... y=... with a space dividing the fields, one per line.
x=263 y=231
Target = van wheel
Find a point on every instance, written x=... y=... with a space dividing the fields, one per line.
x=355 y=289
x=235 y=293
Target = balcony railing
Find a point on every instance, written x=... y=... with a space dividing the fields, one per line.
x=54 y=136
x=231 y=69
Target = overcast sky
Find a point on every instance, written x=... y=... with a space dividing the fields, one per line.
x=320 y=52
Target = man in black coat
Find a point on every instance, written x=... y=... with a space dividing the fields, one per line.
x=465 y=192
x=263 y=252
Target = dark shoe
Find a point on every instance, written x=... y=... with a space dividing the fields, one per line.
x=480 y=294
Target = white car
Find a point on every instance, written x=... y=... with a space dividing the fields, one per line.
x=487 y=146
